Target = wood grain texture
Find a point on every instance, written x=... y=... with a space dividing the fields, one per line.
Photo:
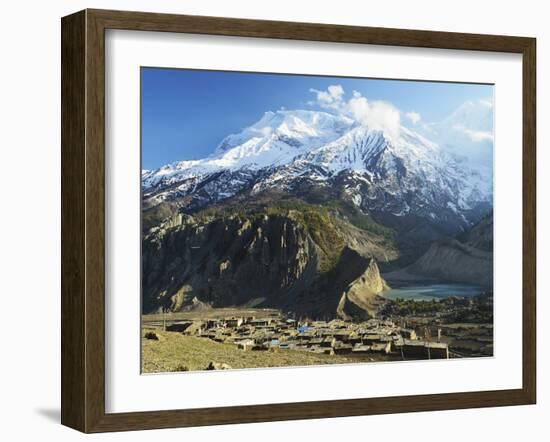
x=145 y=21
x=95 y=222
x=73 y=255
x=529 y=220
x=83 y=219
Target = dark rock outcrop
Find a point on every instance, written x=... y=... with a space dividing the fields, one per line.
x=286 y=261
x=225 y=262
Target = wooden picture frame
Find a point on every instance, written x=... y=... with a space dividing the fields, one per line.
x=83 y=220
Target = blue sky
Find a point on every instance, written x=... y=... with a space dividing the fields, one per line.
x=186 y=113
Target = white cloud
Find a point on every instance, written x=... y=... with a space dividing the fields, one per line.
x=468 y=128
x=376 y=115
x=336 y=91
x=486 y=103
x=466 y=132
x=414 y=117
x=331 y=98
x=475 y=135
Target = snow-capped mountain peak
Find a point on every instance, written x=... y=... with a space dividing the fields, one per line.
x=380 y=172
x=276 y=139
x=298 y=127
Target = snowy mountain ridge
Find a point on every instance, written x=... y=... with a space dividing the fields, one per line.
x=285 y=149
x=276 y=139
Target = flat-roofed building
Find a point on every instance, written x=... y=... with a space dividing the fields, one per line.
x=408 y=333
x=360 y=348
x=328 y=342
x=262 y=322
x=372 y=338
x=340 y=348
x=437 y=350
x=381 y=347
x=234 y=322
x=419 y=349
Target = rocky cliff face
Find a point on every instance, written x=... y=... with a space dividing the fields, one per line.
x=225 y=262
x=361 y=297
x=295 y=260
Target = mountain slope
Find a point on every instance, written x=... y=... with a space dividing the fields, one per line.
x=275 y=139
x=287 y=150
x=298 y=260
x=295 y=212
x=457 y=262
x=467 y=259
x=480 y=235
x=361 y=298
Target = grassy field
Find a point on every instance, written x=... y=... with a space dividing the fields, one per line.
x=177 y=352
